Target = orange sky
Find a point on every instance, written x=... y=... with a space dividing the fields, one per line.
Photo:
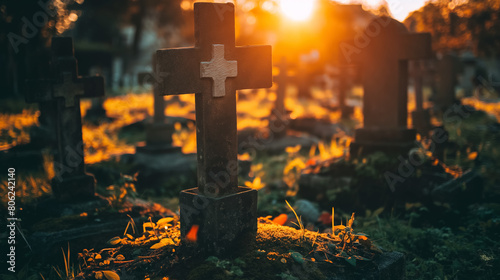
x=400 y=9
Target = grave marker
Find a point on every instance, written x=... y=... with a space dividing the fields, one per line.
x=421 y=117
x=214 y=69
x=384 y=66
x=159 y=131
x=448 y=68
x=71 y=182
x=279 y=114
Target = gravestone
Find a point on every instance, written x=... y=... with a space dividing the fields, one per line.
x=342 y=88
x=384 y=66
x=65 y=89
x=222 y=212
x=469 y=72
x=97 y=113
x=159 y=131
x=279 y=116
x=421 y=117
x=448 y=68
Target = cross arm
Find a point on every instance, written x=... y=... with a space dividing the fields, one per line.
x=93 y=86
x=178 y=71
x=415 y=46
x=254 y=67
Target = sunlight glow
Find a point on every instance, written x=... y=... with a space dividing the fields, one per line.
x=298 y=10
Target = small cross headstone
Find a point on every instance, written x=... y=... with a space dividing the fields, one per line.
x=97 y=113
x=214 y=69
x=469 y=71
x=448 y=68
x=342 y=89
x=159 y=131
x=384 y=66
x=421 y=117
x=71 y=182
x=279 y=115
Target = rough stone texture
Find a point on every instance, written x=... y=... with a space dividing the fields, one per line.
x=224 y=222
x=385 y=81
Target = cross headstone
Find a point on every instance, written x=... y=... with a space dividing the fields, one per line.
x=214 y=69
x=469 y=72
x=71 y=182
x=343 y=79
x=97 y=113
x=159 y=131
x=279 y=113
x=421 y=117
x=384 y=67
x=448 y=68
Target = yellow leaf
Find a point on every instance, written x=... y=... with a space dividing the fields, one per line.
x=114 y=240
x=147 y=225
x=164 y=222
x=110 y=275
x=158 y=246
x=292 y=150
x=98 y=275
x=472 y=156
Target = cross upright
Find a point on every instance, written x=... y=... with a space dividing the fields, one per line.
x=281 y=80
x=384 y=66
x=65 y=88
x=214 y=69
x=279 y=116
x=420 y=117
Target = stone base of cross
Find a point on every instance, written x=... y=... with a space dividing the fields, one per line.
x=387 y=140
x=76 y=188
x=223 y=224
x=158 y=139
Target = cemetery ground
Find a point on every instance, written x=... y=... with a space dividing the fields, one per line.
x=452 y=234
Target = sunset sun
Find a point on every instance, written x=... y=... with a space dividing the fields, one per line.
x=298 y=10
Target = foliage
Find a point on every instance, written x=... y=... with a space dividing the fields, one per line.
x=458 y=27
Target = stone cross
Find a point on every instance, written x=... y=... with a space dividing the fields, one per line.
x=420 y=117
x=214 y=69
x=448 y=68
x=159 y=131
x=71 y=182
x=279 y=113
x=384 y=66
x=281 y=80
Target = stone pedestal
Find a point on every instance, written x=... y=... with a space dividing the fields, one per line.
x=391 y=141
x=158 y=139
x=74 y=188
x=224 y=222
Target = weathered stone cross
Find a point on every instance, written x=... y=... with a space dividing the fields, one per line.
x=214 y=69
x=279 y=116
x=71 y=182
x=159 y=131
x=448 y=68
x=384 y=66
x=421 y=118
